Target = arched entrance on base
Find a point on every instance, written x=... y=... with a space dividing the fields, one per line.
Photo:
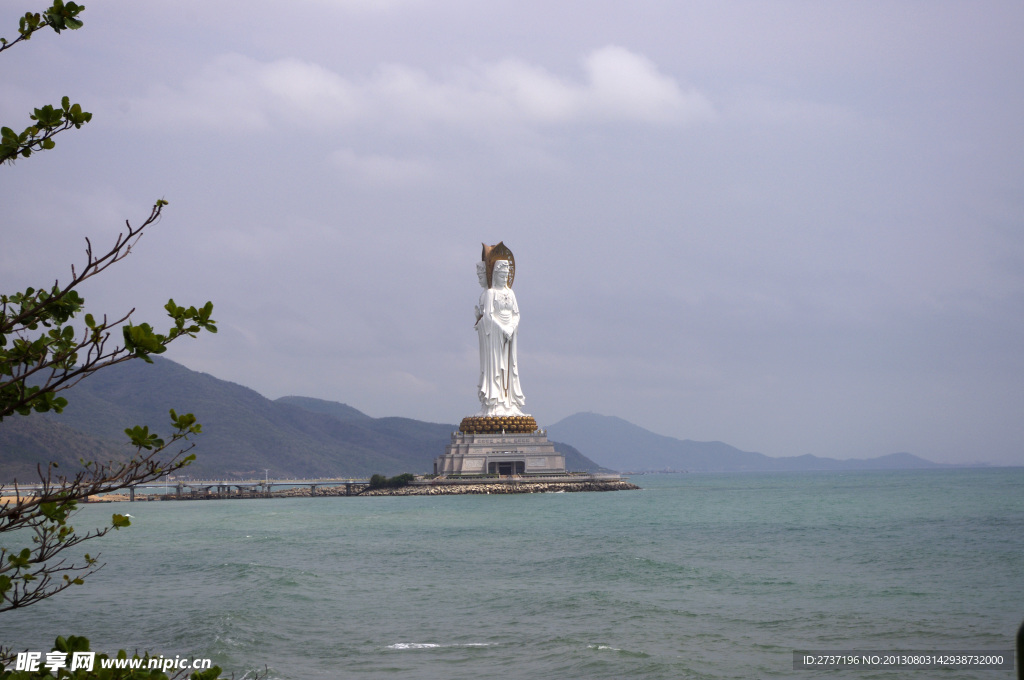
x=506 y=467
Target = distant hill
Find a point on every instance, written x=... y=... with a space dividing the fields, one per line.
x=623 y=446
x=244 y=433
x=25 y=442
x=331 y=408
x=576 y=461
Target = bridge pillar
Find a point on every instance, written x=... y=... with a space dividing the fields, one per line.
x=131 y=494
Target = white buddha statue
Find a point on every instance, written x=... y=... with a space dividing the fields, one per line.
x=497 y=329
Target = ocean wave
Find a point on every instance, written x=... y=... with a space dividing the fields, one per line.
x=434 y=645
x=624 y=652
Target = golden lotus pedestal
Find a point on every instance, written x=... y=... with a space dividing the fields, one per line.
x=499 y=446
x=497 y=424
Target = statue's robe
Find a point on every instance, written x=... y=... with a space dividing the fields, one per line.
x=498 y=331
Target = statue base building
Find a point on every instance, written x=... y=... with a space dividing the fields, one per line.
x=500 y=453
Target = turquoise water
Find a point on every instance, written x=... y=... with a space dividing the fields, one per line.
x=695 y=576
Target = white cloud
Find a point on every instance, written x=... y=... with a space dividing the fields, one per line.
x=238 y=93
x=530 y=92
x=619 y=86
x=308 y=92
x=221 y=96
x=628 y=86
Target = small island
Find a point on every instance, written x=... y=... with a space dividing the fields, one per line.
x=501 y=445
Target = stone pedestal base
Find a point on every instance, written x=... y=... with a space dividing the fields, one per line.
x=513 y=453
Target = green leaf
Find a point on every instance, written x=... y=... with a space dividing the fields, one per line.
x=141 y=340
x=20 y=560
x=142 y=437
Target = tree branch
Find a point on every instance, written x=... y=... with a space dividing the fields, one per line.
x=35 y=573
x=25 y=354
x=58 y=16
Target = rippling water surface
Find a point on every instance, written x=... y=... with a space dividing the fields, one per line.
x=695 y=576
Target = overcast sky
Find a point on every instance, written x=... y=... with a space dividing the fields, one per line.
x=796 y=227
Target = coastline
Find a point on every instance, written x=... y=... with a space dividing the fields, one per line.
x=415 y=489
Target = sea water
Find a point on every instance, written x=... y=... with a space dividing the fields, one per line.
x=694 y=576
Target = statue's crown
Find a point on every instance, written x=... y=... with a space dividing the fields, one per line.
x=492 y=254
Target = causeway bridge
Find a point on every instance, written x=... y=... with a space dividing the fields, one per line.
x=244 y=488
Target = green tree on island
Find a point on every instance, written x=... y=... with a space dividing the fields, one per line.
x=47 y=345
x=379 y=481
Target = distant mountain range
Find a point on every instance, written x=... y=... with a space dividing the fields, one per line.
x=246 y=434
x=624 y=446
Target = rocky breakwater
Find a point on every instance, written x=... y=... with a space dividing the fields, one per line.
x=304 y=491
x=496 y=488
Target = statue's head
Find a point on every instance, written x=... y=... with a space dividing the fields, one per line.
x=501 y=274
x=481 y=273
x=500 y=253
